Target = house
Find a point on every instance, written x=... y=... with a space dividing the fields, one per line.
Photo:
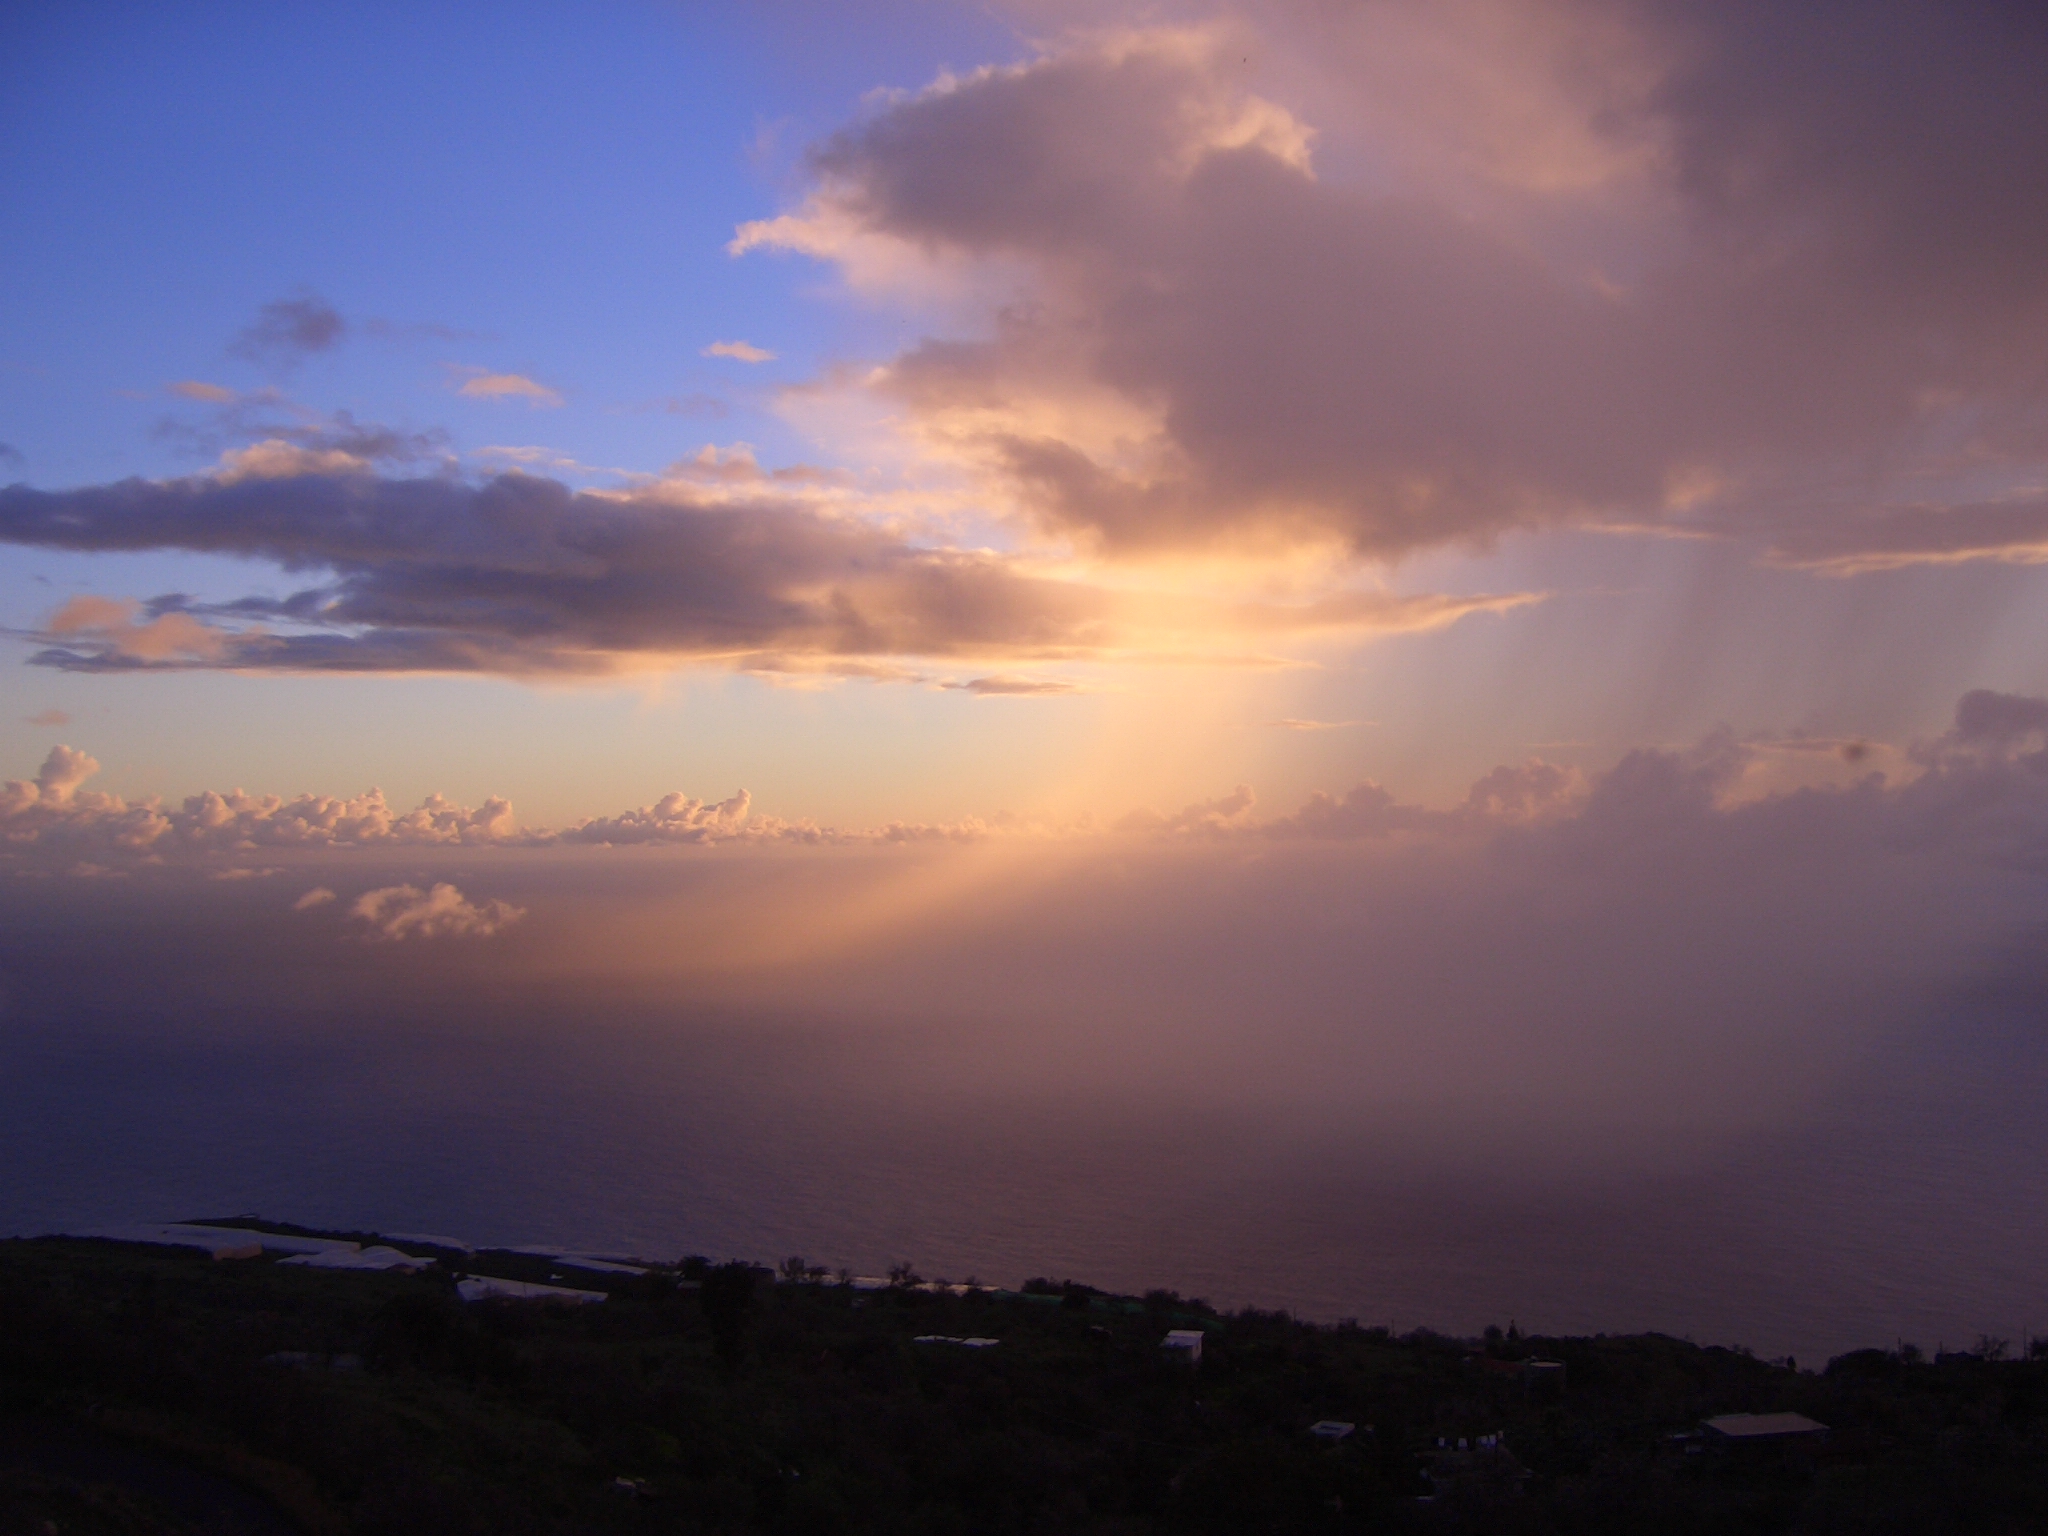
x=488 y=1288
x=222 y=1242
x=1761 y=1428
x=375 y=1257
x=1183 y=1344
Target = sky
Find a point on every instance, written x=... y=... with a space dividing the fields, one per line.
x=1014 y=410
x=1568 y=477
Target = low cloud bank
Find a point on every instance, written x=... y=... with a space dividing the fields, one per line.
x=1984 y=781
x=1641 y=961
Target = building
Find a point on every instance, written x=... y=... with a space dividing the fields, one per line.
x=1761 y=1428
x=1183 y=1344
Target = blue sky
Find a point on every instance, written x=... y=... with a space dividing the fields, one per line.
x=519 y=189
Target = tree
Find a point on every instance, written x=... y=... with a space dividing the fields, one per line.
x=728 y=1297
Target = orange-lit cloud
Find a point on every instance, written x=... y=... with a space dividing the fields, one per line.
x=722 y=563
x=400 y=912
x=740 y=351
x=509 y=386
x=110 y=625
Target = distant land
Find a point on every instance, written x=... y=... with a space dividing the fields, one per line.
x=241 y=1375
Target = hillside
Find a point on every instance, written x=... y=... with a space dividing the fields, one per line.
x=147 y=1389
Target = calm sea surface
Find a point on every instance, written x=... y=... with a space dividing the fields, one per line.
x=1893 y=1214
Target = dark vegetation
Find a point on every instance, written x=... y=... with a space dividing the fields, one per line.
x=151 y=1389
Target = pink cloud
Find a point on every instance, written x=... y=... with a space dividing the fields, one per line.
x=1483 y=267
x=400 y=912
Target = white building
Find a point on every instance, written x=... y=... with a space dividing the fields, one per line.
x=1184 y=1344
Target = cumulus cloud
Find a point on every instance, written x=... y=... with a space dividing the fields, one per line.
x=739 y=351
x=1656 y=263
x=509 y=386
x=57 y=784
x=53 y=815
x=400 y=912
x=319 y=896
x=675 y=818
x=1228 y=813
x=286 y=331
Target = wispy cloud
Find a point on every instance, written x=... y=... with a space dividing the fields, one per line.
x=1015 y=687
x=510 y=386
x=740 y=351
x=287 y=331
x=197 y=389
x=1316 y=725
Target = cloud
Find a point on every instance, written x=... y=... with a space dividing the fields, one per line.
x=1316 y=725
x=722 y=562
x=1999 y=720
x=1486 y=267
x=510 y=386
x=49 y=717
x=109 y=626
x=210 y=394
x=286 y=331
x=62 y=772
x=1015 y=687
x=696 y=405
x=675 y=818
x=9 y=454
x=2011 y=532
x=318 y=896
x=1229 y=813
x=405 y=911
x=1979 y=790
x=53 y=814
x=741 y=351
x=259 y=427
